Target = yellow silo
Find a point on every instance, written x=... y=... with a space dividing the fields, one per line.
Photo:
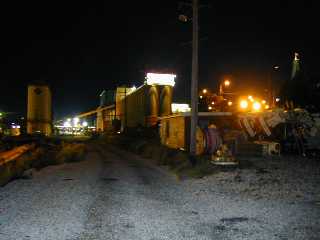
x=166 y=100
x=39 y=116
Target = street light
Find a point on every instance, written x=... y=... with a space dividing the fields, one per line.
x=226 y=83
x=256 y=106
x=204 y=91
x=244 y=104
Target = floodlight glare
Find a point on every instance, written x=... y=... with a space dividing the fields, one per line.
x=256 y=106
x=76 y=120
x=180 y=107
x=160 y=79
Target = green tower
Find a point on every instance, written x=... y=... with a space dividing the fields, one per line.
x=295 y=66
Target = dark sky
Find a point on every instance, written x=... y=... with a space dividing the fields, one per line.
x=82 y=48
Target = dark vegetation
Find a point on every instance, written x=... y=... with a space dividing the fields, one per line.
x=48 y=152
x=146 y=143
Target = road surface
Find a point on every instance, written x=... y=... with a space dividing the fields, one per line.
x=115 y=195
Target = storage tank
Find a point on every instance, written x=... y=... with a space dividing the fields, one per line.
x=39 y=114
x=165 y=100
x=152 y=113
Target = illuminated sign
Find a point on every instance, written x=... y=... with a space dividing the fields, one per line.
x=160 y=79
x=180 y=107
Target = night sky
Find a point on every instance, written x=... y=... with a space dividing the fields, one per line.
x=82 y=48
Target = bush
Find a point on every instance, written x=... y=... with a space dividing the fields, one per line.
x=145 y=144
x=14 y=169
x=179 y=162
x=5 y=174
x=71 y=152
x=41 y=157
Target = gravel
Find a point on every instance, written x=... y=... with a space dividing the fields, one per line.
x=116 y=195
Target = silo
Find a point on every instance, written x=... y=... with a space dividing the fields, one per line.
x=166 y=100
x=39 y=115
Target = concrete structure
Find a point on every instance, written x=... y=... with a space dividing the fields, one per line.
x=105 y=116
x=39 y=113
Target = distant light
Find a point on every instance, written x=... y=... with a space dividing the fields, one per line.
x=201 y=96
x=133 y=88
x=85 y=124
x=210 y=108
x=204 y=91
x=76 y=120
x=230 y=103
x=263 y=101
x=243 y=104
x=276 y=67
x=277 y=99
x=183 y=18
x=1 y=114
x=67 y=124
x=256 y=106
x=212 y=102
x=227 y=83
x=160 y=79
x=250 y=98
x=180 y=107
x=267 y=106
x=118 y=132
x=69 y=120
x=13 y=126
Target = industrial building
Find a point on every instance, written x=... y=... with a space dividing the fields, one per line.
x=129 y=107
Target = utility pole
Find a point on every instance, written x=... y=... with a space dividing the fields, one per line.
x=194 y=81
x=125 y=108
x=271 y=85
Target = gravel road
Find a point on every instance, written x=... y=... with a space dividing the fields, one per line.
x=116 y=195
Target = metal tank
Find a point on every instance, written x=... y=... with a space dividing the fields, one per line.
x=166 y=100
x=39 y=114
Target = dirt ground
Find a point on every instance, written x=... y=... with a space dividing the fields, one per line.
x=115 y=194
